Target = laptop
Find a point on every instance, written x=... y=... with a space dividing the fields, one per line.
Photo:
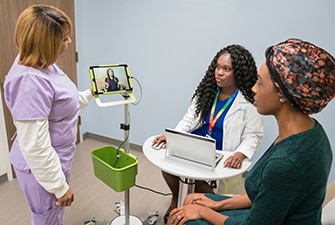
x=192 y=147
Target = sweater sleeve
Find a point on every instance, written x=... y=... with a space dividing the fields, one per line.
x=84 y=98
x=42 y=159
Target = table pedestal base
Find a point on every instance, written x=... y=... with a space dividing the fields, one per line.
x=186 y=186
x=121 y=220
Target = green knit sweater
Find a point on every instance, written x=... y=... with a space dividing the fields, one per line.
x=287 y=185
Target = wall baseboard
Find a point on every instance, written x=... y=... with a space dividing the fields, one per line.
x=112 y=141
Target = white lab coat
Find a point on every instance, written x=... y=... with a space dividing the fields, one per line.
x=242 y=131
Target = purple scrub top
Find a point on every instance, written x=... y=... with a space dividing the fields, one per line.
x=46 y=94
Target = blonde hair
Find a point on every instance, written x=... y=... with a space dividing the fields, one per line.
x=39 y=33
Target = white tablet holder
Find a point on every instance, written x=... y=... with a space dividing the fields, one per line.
x=128 y=99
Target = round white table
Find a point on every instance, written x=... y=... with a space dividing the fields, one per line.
x=189 y=171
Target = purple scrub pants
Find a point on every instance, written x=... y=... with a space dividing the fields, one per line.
x=42 y=204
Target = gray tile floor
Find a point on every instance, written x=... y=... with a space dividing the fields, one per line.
x=92 y=196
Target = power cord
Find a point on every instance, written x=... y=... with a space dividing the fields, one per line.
x=186 y=182
x=126 y=127
x=118 y=148
x=139 y=84
x=149 y=189
x=118 y=155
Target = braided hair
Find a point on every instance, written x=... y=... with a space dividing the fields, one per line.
x=245 y=75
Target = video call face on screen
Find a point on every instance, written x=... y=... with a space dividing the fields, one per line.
x=110 y=79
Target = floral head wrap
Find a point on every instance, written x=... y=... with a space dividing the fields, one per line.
x=303 y=74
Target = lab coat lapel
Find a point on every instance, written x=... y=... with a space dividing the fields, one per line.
x=236 y=104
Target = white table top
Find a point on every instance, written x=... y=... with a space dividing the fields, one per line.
x=187 y=169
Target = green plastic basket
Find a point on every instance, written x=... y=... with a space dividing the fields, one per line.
x=119 y=173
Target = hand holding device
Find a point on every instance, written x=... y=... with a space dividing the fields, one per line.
x=159 y=145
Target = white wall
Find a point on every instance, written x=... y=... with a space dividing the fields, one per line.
x=168 y=46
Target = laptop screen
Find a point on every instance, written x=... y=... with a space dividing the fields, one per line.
x=192 y=147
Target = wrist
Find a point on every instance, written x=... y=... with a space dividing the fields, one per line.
x=239 y=156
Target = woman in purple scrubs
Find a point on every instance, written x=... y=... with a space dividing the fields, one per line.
x=44 y=104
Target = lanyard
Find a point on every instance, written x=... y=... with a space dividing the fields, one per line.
x=213 y=121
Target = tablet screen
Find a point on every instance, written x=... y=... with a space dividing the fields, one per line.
x=110 y=79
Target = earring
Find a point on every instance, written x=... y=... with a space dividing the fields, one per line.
x=282 y=100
